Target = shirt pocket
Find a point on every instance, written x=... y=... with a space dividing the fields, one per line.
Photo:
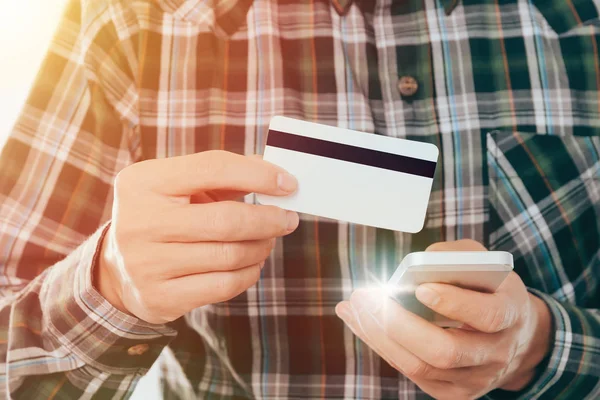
x=544 y=204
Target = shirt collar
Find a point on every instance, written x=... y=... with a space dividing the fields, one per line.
x=342 y=6
x=224 y=17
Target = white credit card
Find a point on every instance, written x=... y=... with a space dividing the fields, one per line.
x=352 y=176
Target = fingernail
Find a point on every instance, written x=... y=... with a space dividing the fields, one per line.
x=343 y=311
x=286 y=182
x=371 y=302
x=292 y=220
x=427 y=296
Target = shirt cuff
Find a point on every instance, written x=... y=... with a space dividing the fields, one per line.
x=559 y=376
x=80 y=319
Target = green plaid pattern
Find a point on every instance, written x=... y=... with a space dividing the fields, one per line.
x=509 y=90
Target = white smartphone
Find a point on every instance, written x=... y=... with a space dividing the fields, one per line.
x=482 y=271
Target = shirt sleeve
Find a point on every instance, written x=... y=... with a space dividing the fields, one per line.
x=572 y=369
x=58 y=336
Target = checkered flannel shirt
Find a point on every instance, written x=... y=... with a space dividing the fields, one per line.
x=509 y=90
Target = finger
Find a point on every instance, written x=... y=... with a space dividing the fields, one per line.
x=436 y=346
x=477 y=378
x=227 y=221
x=442 y=390
x=462 y=383
x=370 y=331
x=486 y=312
x=429 y=378
x=193 y=291
x=189 y=174
x=457 y=245
x=172 y=260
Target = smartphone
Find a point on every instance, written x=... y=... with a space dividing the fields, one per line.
x=482 y=271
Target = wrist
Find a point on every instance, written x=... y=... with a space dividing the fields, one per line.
x=104 y=280
x=537 y=348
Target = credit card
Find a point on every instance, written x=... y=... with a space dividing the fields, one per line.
x=352 y=176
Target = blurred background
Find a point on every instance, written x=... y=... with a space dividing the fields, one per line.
x=25 y=31
x=26 y=27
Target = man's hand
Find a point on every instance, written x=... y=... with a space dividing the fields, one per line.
x=177 y=240
x=505 y=336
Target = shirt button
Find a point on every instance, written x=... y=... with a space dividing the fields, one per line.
x=408 y=86
x=138 y=349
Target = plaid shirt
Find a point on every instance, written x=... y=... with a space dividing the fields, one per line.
x=508 y=90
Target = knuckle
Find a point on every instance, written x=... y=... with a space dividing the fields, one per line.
x=458 y=245
x=130 y=221
x=213 y=155
x=213 y=163
x=447 y=307
x=124 y=233
x=252 y=278
x=123 y=179
x=244 y=284
x=142 y=268
x=267 y=248
x=282 y=222
x=224 y=223
x=503 y=357
x=150 y=298
x=513 y=279
x=232 y=284
x=488 y=382
x=129 y=177
x=278 y=218
x=418 y=370
x=256 y=269
x=471 y=244
x=153 y=298
x=496 y=319
x=230 y=254
x=226 y=285
x=120 y=232
x=448 y=357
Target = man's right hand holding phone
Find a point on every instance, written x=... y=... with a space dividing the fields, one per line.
x=178 y=241
x=508 y=334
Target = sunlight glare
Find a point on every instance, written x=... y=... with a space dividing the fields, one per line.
x=26 y=27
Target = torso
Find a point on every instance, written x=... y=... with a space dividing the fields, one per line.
x=510 y=98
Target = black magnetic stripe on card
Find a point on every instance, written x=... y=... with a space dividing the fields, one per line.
x=353 y=154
